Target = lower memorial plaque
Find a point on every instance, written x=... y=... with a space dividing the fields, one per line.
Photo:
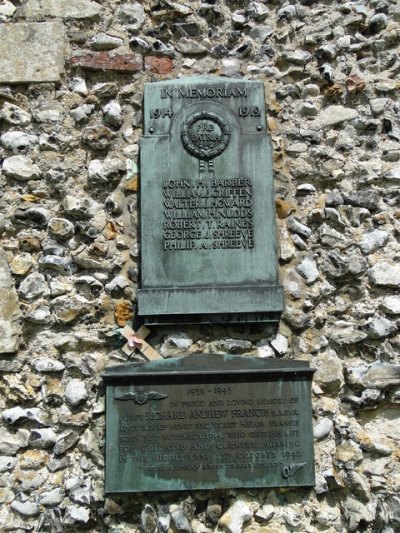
x=208 y=422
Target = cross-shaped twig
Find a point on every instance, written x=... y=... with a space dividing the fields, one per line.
x=136 y=341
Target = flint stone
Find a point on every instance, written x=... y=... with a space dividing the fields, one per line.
x=52 y=497
x=31 y=52
x=280 y=344
x=66 y=309
x=48 y=111
x=48 y=365
x=54 y=465
x=293 y=284
x=131 y=15
x=336 y=114
x=377 y=375
x=103 y=41
x=349 y=451
x=7 y=464
x=329 y=373
x=82 y=113
x=190 y=46
x=20 y=168
x=56 y=263
x=29 y=481
x=345 y=333
x=9 y=310
x=236 y=346
x=260 y=33
x=180 y=340
x=393 y=174
x=61 y=228
x=17 y=414
x=97 y=137
x=33 y=286
x=36 y=217
x=75 y=9
x=359 y=485
x=25 y=508
x=235 y=517
x=21 y=264
x=379 y=327
x=323 y=428
x=295 y=226
x=102 y=172
x=308 y=269
x=385 y=274
x=75 y=514
x=15 y=115
x=65 y=442
x=331 y=238
x=7 y=9
x=11 y=366
x=298 y=57
x=356 y=512
x=42 y=438
x=368 y=199
x=78 y=489
x=18 y=141
x=10 y=443
x=373 y=240
x=113 y=113
x=79 y=208
x=75 y=392
x=391 y=305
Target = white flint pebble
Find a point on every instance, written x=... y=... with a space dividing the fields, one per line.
x=309 y=270
x=52 y=497
x=323 y=428
x=113 y=113
x=45 y=364
x=15 y=115
x=391 y=305
x=25 y=508
x=75 y=392
x=235 y=517
x=7 y=464
x=280 y=344
x=18 y=141
x=21 y=168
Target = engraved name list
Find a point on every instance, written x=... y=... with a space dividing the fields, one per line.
x=212 y=214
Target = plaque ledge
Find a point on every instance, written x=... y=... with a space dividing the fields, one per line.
x=209 y=364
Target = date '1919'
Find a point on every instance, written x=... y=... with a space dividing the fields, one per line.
x=249 y=111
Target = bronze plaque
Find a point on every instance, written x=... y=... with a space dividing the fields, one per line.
x=207 y=212
x=208 y=422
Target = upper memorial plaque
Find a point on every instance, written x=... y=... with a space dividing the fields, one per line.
x=207 y=204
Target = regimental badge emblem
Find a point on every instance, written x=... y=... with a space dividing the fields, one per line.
x=140 y=396
x=205 y=136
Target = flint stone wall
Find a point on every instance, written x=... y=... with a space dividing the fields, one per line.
x=72 y=76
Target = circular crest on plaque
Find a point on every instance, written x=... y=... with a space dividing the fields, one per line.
x=205 y=135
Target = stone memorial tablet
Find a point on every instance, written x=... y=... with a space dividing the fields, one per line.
x=208 y=246
x=208 y=422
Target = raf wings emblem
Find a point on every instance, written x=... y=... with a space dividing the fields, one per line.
x=140 y=396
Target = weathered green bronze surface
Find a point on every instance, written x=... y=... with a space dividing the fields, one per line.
x=208 y=247
x=208 y=422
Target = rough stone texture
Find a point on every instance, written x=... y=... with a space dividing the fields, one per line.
x=9 y=309
x=77 y=9
x=68 y=225
x=31 y=52
x=336 y=114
